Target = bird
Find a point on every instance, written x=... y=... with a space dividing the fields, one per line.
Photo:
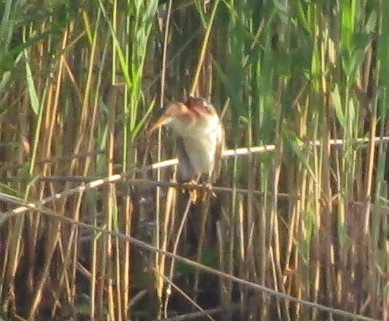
x=200 y=137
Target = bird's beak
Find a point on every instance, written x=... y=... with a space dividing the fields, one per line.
x=163 y=120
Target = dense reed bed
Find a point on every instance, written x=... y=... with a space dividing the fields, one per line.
x=298 y=229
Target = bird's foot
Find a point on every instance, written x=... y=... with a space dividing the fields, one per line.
x=209 y=189
x=193 y=192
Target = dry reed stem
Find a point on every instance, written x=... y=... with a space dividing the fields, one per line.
x=116 y=178
x=171 y=284
x=226 y=153
x=160 y=261
x=51 y=214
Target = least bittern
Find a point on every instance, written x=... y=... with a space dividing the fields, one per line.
x=200 y=137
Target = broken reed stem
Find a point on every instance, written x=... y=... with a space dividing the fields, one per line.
x=189 y=186
x=226 y=153
x=205 y=268
x=171 y=162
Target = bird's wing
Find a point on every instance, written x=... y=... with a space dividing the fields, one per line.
x=185 y=169
x=218 y=155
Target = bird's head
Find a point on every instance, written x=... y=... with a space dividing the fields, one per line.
x=199 y=104
x=194 y=117
x=166 y=115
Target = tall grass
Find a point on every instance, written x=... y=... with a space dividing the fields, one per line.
x=307 y=218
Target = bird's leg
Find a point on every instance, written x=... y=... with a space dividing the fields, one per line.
x=193 y=193
x=209 y=187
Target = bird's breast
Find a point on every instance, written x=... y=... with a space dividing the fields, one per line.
x=201 y=150
x=201 y=137
x=201 y=153
x=195 y=127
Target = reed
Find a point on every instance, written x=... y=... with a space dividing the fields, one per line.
x=307 y=217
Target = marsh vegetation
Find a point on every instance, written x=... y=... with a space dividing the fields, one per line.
x=299 y=225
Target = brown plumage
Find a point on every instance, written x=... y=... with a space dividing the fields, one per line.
x=200 y=137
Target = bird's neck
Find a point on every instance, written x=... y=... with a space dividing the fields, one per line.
x=190 y=125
